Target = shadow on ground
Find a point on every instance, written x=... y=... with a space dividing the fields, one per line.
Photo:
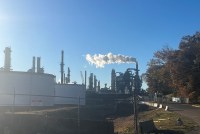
x=167 y=132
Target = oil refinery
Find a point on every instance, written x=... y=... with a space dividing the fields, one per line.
x=36 y=88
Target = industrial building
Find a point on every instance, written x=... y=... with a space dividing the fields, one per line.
x=36 y=88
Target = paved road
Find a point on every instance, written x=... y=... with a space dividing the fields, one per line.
x=186 y=110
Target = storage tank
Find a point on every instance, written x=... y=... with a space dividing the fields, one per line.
x=26 y=89
x=69 y=94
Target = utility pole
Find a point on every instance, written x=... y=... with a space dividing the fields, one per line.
x=136 y=89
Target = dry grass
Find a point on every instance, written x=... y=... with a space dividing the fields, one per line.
x=164 y=120
x=123 y=124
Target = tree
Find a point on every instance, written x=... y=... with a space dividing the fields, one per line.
x=177 y=71
x=189 y=61
x=158 y=73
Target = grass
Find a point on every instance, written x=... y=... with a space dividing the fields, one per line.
x=164 y=120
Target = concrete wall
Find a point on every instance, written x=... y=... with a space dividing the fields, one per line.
x=69 y=94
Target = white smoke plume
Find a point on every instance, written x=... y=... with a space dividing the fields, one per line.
x=101 y=60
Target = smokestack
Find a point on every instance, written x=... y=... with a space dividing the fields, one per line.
x=98 y=85
x=7 y=61
x=33 y=67
x=62 y=66
x=91 y=81
x=95 y=82
x=38 y=65
x=64 y=81
x=68 y=74
x=113 y=80
x=85 y=79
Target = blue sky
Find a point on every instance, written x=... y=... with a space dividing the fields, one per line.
x=136 y=28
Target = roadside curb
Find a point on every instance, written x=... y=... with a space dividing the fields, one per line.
x=198 y=106
x=157 y=105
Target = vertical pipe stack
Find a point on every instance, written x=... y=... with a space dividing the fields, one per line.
x=68 y=74
x=95 y=82
x=7 y=61
x=113 y=80
x=38 y=65
x=98 y=85
x=91 y=81
x=33 y=67
x=62 y=66
x=85 y=79
x=64 y=79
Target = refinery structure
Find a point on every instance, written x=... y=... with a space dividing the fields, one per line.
x=36 y=88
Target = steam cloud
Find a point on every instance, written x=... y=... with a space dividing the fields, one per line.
x=101 y=60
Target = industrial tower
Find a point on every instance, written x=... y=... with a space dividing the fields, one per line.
x=113 y=80
x=7 y=61
x=91 y=81
x=62 y=67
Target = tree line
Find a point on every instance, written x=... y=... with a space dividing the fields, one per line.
x=176 y=71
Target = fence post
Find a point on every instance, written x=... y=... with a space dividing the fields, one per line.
x=79 y=115
x=13 y=112
x=13 y=108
